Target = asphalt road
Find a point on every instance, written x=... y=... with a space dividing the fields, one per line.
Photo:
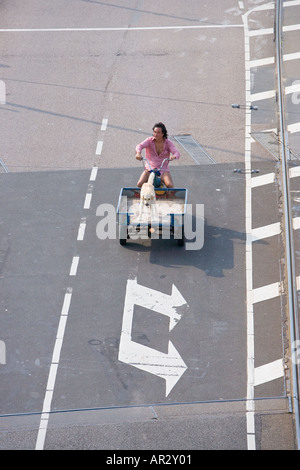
x=84 y=83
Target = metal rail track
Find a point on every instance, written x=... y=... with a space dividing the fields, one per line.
x=289 y=245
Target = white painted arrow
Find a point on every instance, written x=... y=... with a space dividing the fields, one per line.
x=155 y=300
x=169 y=366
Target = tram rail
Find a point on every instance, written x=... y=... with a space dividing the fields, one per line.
x=288 y=227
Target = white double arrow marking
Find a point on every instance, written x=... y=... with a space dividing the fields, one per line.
x=169 y=366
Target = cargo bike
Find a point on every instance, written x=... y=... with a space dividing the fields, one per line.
x=165 y=222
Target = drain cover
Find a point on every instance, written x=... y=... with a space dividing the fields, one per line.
x=194 y=149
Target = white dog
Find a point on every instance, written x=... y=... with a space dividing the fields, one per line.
x=147 y=196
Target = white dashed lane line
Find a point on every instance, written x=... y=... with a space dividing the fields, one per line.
x=53 y=371
x=40 y=442
x=87 y=201
x=94 y=173
x=74 y=266
x=99 y=147
x=81 y=229
x=104 y=124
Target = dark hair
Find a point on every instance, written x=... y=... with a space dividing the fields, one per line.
x=163 y=129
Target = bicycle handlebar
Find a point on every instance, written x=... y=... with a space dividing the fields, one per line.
x=165 y=159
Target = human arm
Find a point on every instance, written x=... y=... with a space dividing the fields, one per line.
x=173 y=150
x=140 y=147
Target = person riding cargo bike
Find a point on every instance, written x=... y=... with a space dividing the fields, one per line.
x=158 y=148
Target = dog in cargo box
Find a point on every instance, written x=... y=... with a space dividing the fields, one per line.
x=147 y=196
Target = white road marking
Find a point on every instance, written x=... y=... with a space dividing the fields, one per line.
x=271 y=60
x=94 y=173
x=251 y=436
x=81 y=229
x=267 y=372
x=40 y=442
x=264 y=7
x=296 y=223
x=292 y=56
x=298 y=282
x=262 y=180
x=291 y=3
x=87 y=201
x=293 y=128
x=61 y=329
x=249 y=275
x=262 y=62
x=291 y=27
x=294 y=171
x=2 y=352
x=271 y=93
x=74 y=266
x=274 y=369
x=293 y=88
x=263 y=95
x=142 y=28
x=266 y=231
x=99 y=147
x=267 y=292
x=67 y=302
x=241 y=5
x=274 y=129
x=52 y=377
x=260 y=32
x=104 y=124
x=168 y=366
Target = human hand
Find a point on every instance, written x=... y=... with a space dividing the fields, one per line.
x=138 y=156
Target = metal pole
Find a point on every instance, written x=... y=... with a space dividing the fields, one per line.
x=292 y=301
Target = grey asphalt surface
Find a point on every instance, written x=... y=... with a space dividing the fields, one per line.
x=40 y=236
x=60 y=85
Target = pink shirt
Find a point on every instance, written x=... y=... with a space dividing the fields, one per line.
x=154 y=159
